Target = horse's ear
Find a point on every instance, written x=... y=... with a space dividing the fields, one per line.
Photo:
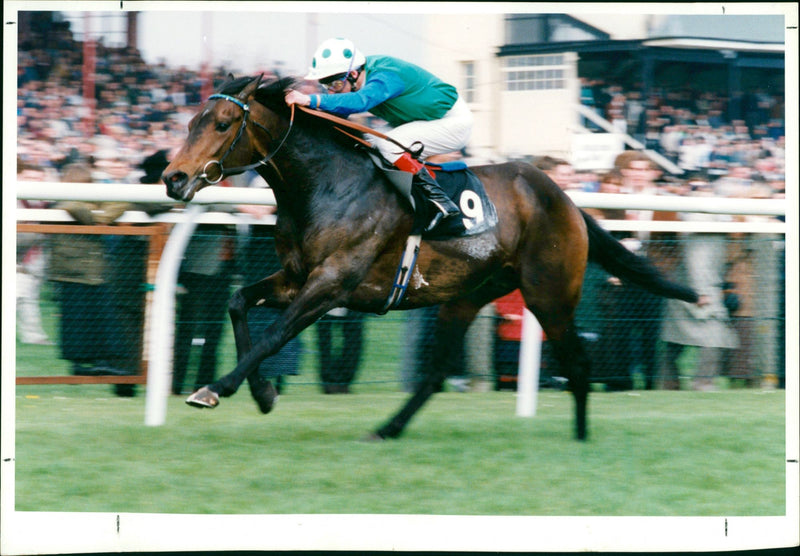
x=228 y=79
x=289 y=83
x=248 y=91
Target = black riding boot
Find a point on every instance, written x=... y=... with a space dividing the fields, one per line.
x=434 y=193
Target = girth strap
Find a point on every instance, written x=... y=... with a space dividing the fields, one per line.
x=404 y=271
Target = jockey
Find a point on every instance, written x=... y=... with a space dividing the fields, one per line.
x=416 y=104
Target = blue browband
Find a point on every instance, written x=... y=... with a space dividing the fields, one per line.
x=234 y=100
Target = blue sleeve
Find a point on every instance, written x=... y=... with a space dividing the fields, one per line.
x=378 y=88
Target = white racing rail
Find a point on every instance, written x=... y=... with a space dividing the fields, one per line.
x=162 y=316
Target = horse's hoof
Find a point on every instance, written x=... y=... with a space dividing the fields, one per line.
x=204 y=398
x=373 y=437
x=266 y=397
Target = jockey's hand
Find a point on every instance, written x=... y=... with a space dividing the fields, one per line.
x=296 y=97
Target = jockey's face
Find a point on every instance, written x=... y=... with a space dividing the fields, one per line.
x=335 y=84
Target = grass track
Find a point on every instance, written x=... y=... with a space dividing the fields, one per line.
x=649 y=453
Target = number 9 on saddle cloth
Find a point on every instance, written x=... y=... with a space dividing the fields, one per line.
x=478 y=214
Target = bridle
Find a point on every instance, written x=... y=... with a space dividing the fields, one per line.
x=223 y=172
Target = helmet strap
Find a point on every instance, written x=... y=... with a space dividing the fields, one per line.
x=352 y=80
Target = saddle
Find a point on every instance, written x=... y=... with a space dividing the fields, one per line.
x=478 y=213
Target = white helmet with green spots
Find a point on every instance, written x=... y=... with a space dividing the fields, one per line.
x=334 y=57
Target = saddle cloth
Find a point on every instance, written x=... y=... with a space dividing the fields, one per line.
x=478 y=213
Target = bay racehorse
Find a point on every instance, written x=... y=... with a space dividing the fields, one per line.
x=341 y=229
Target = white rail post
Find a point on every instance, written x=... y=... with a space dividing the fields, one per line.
x=162 y=318
x=530 y=357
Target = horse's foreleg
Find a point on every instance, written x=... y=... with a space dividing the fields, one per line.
x=317 y=297
x=271 y=292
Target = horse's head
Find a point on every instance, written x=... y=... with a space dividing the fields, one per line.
x=219 y=142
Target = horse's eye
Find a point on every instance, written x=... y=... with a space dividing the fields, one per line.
x=223 y=126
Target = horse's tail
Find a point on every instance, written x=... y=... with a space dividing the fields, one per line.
x=616 y=259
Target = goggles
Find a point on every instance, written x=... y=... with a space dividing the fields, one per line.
x=335 y=83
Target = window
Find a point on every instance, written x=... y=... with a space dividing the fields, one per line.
x=468 y=81
x=535 y=73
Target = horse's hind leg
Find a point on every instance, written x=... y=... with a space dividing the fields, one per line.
x=575 y=364
x=551 y=283
x=452 y=324
x=554 y=306
x=572 y=359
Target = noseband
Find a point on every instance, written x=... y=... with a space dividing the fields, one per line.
x=238 y=170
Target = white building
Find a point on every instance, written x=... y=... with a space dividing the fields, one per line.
x=520 y=72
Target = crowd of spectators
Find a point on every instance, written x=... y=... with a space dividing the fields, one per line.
x=137 y=109
x=140 y=108
x=704 y=133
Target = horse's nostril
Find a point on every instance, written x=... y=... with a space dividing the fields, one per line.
x=175 y=178
x=175 y=182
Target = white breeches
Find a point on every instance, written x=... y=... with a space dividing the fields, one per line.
x=447 y=134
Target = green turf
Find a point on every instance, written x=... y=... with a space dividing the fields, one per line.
x=80 y=448
x=650 y=453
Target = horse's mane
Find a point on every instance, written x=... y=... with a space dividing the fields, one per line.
x=271 y=94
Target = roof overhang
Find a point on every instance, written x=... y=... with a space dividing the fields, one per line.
x=714 y=44
x=677 y=49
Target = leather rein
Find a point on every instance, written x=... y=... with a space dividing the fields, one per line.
x=415 y=152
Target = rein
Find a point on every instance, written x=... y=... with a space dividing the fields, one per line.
x=415 y=151
x=223 y=172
